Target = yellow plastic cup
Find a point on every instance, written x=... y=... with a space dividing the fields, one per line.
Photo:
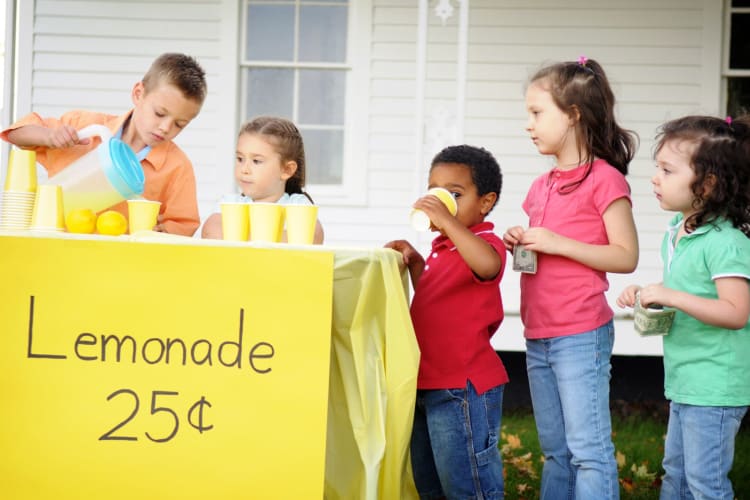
x=300 y=223
x=420 y=221
x=48 y=213
x=21 y=175
x=142 y=214
x=266 y=222
x=235 y=221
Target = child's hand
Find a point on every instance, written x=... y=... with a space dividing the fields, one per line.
x=656 y=294
x=627 y=297
x=512 y=237
x=413 y=260
x=435 y=209
x=408 y=252
x=159 y=227
x=64 y=136
x=540 y=239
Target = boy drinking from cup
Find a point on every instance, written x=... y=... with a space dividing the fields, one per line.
x=165 y=101
x=456 y=309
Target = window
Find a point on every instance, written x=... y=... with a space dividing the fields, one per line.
x=296 y=62
x=737 y=58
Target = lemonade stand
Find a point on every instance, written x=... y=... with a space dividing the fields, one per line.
x=160 y=366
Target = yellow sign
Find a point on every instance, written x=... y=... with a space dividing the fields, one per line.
x=136 y=370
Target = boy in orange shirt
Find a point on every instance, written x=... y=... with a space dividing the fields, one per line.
x=164 y=102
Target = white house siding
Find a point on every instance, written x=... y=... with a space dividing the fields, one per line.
x=662 y=57
x=89 y=54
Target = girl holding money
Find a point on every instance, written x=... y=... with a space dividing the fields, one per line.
x=581 y=227
x=703 y=174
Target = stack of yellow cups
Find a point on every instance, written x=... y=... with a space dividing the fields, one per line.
x=17 y=202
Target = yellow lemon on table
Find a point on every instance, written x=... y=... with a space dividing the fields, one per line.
x=111 y=223
x=81 y=220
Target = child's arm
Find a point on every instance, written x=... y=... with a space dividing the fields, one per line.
x=60 y=137
x=620 y=255
x=179 y=203
x=731 y=310
x=627 y=297
x=319 y=235
x=413 y=260
x=212 y=228
x=479 y=255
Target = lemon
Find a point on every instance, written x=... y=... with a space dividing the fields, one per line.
x=111 y=223
x=81 y=220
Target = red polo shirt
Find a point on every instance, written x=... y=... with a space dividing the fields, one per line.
x=455 y=314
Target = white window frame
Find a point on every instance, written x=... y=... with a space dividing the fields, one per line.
x=726 y=71
x=352 y=190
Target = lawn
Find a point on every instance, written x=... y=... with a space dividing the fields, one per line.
x=638 y=435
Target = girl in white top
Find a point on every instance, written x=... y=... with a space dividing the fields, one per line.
x=269 y=167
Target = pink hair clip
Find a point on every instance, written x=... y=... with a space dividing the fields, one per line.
x=728 y=119
x=582 y=60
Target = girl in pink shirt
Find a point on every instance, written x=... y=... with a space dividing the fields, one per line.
x=581 y=227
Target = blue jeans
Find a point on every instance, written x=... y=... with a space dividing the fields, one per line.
x=699 y=451
x=569 y=383
x=454 y=440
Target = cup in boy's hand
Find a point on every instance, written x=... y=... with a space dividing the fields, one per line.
x=524 y=260
x=651 y=320
x=420 y=221
x=142 y=214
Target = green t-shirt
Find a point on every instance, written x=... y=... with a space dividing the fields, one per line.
x=705 y=365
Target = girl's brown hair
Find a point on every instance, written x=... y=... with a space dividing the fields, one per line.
x=582 y=87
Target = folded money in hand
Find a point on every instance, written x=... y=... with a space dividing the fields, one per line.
x=654 y=320
x=524 y=260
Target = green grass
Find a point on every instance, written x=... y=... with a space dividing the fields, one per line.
x=639 y=441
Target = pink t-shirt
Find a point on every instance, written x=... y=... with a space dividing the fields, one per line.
x=565 y=297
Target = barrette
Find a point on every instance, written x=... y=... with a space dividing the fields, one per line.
x=582 y=60
x=728 y=119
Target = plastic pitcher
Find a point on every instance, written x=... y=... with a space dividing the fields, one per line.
x=103 y=177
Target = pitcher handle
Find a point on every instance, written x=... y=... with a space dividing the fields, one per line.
x=94 y=130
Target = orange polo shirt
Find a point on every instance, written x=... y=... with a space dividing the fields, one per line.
x=169 y=176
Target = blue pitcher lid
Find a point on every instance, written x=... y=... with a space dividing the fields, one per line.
x=124 y=171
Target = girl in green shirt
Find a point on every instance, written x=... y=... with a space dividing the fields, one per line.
x=703 y=174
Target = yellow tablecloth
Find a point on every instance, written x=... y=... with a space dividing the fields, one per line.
x=374 y=361
x=373 y=368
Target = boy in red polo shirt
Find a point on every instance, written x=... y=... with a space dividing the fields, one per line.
x=456 y=309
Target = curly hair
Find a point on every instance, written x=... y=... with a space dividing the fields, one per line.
x=720 y=158
x=485 y=171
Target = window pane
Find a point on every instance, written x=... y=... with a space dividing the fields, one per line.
x=270 y=32
x=270 y=92
x=322 y=33
x=321 y=97
x=738 y=96
x=739 y=52
x=323 y=155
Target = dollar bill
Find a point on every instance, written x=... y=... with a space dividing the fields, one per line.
x=653 y=320
x=524 y=260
